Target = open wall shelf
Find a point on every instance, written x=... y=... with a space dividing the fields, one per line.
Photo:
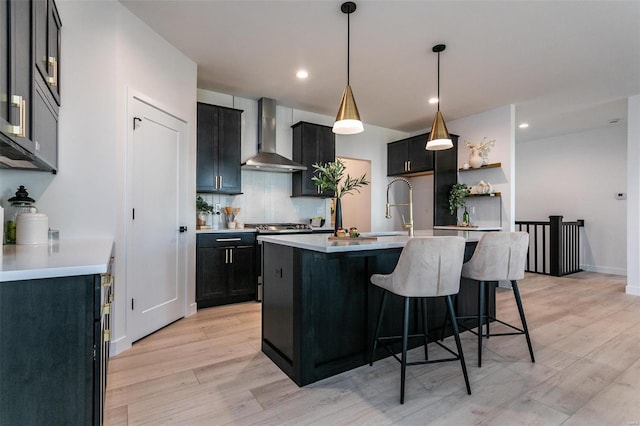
x=486 y=166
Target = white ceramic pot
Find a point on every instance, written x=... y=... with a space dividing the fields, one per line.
x=475 y=159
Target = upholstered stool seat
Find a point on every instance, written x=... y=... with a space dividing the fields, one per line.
x=428 y=267
x=499 y=256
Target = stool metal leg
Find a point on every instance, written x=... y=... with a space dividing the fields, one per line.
x=378 y=326
x=456 y=333
x=405 y=339
x=426 y=327
x=487 y=307
x=480 y=320
x=516 y=293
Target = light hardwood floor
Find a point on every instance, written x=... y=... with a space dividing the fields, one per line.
x=208 y=370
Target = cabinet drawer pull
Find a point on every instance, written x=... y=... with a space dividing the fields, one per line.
x=107 y=280
x=21 y=104
x=106 y=335
x=228 y=239
x=53 y=63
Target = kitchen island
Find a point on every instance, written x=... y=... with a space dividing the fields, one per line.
x=319 y=309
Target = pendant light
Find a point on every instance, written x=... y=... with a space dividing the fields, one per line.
x=439 y=138
x=348 y=119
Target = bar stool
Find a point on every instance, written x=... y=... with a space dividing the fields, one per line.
x=427 y=267
x=499 y=256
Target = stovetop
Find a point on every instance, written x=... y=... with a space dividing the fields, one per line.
x=280 y=227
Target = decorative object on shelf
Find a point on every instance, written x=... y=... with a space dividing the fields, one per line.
x=348 y=118
x=482 y=188
x=203 y=209
x=439 y=138
x=479 y=155
x=465 y=218
x=329 y=176
x=457 y=195
x=465 y=166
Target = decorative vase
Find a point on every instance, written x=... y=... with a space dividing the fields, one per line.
x=465 y=218
x=201 y=219
x=338 y=220
x=475 y=158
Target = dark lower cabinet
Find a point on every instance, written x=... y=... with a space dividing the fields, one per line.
x=54 y=337
x=225 y=268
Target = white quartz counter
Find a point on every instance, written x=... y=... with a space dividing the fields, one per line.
x=224 y=230
x=384 y=240
x=61 y=259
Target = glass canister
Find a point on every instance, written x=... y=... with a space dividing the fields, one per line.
x=19 y=204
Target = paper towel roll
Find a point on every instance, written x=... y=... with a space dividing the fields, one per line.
x=32 y=228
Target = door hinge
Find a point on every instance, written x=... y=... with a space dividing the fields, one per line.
x=132 y=304
x=134 y=121
x=133 y=214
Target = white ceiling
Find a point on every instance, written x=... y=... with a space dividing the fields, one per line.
x=566 y=65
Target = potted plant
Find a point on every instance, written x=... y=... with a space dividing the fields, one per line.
x=204 y=209
x=330 y=176
x=457 y=195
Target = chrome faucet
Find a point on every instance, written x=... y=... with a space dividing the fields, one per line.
x=406 y=225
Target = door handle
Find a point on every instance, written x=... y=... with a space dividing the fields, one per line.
x=183 y=229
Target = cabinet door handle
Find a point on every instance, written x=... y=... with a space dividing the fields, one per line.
x=53 y=63
x=21 y=104
x=220 y=182
x=216 y=185
x=226 y=256
x=230 y=255
x=409 y=165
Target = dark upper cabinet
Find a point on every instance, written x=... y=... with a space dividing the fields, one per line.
x=28 y=107
x=218 y=153
x=408 y=156
x=46 y=44
x=312 y=143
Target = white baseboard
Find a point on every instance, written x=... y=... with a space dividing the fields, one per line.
x=635 y=291
x=119 y=345
x=604 y=269
x=191 y=309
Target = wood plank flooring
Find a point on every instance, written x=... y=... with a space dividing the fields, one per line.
x=208 y=370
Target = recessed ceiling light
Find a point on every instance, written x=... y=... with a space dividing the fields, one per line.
x=302 y=74
x=433 y=100
x=523 y=125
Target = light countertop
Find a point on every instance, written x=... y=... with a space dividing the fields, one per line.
x=384 y=240
x=61 y=259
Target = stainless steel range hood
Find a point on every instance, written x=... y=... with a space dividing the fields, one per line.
x=267 y=160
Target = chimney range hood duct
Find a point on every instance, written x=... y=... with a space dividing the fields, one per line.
x=267 y=160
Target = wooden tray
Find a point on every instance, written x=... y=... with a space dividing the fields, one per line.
x=333 y=237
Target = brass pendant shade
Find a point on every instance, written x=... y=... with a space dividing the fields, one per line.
x=439 y=138
x=348 y=118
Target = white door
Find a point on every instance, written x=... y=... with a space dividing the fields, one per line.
x=155 y=242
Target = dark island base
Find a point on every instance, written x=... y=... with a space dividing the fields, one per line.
x=319 y=310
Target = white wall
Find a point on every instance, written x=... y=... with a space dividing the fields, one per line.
x=267 y=195
x=633 y=196
x=106 y=51
x=495 y=124
x=577 y=176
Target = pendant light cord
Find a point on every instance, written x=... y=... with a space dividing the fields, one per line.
x=348 y=44
x=438 y=81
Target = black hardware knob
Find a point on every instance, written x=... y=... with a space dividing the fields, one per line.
x=183 y=229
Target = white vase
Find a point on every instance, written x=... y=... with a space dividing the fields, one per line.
x=475 y=158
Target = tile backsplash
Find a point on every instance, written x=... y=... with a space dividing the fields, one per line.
x=267 y=198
